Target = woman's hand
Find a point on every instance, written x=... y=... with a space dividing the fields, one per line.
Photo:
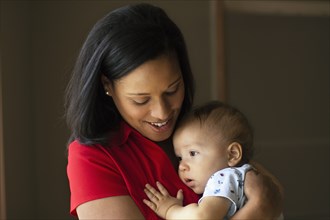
x=265 y=185
x=264 y=193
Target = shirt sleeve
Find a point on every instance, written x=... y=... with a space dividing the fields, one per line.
x=224 y=183
x=92 y=175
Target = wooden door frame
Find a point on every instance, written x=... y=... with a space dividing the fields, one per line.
x=2 y=157
x=219 y=81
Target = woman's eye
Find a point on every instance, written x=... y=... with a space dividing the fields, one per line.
x=172 y=91
x=140 y=102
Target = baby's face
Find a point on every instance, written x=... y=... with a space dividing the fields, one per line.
x=200 y=156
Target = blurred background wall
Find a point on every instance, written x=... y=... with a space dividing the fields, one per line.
x=277 y=66
x=276 y=62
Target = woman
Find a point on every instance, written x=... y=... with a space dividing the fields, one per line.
x=131 y=84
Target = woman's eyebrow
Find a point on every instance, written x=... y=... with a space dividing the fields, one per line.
x=144 y=93
x=141 y=93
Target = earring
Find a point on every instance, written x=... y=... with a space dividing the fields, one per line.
x=107 y=93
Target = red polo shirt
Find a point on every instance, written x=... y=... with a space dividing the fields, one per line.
x=122 y=168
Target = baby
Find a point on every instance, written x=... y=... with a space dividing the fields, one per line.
x=214 y=146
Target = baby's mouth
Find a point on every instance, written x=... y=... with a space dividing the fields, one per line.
x=187 y=180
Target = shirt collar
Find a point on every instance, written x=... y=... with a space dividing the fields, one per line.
x=122 y=134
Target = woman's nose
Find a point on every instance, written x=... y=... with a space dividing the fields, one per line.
x=160 y=110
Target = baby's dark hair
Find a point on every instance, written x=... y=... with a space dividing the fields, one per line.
x=227 y=124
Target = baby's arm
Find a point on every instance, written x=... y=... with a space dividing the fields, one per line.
x=169 y=207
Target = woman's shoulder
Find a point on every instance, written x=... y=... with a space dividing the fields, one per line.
x=82 y=155
x=92 y=174
x=76 y=147
x=117 y=136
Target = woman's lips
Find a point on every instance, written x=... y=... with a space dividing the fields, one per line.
x=161 y=126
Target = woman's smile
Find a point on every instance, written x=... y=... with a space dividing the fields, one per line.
x=150 y=97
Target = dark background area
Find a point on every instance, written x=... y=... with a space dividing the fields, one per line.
x=277 y=67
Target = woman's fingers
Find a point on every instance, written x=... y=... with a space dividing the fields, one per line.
x=260 y=184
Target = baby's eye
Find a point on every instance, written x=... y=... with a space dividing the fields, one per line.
x=193 y=153
x=179 y=158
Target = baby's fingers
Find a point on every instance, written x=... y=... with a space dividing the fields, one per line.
x=179 y=195
x=150 y=204
x=151 y=193
x=162 y=189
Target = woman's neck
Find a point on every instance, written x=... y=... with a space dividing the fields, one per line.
x=168 y=148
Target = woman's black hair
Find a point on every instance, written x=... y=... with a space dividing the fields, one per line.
x=117 y=44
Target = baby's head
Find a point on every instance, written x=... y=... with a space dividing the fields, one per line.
x=211 y=137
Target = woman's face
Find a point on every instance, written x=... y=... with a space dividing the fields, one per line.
x=150 y=97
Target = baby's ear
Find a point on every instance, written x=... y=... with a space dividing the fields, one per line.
x=234 y=151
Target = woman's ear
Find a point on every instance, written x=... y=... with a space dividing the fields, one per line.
x=234 y=154
x=106 y=85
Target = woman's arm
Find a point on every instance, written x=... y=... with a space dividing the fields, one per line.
x=117 y=207
x=264 y=193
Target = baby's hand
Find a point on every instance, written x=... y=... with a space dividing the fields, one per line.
x=161 y=201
